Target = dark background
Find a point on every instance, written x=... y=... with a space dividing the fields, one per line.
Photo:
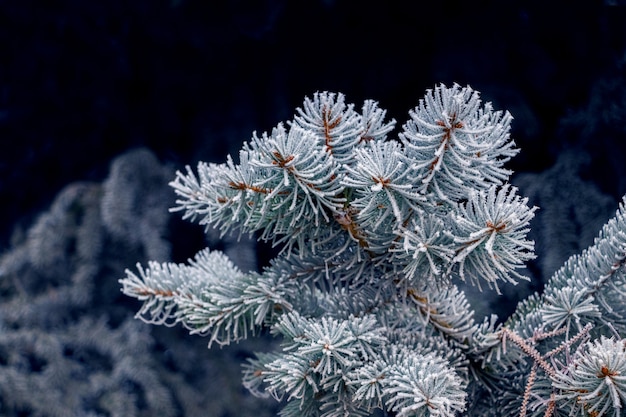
x=83 y=81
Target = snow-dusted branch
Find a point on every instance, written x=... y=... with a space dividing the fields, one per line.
x=374 y=233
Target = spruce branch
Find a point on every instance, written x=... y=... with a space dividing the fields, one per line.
x=424 y=386
x=490 y=230
x=595 y=380
x=338 y=128
x=210 y=296
x=426 y=249
x=456 y=144
x=583 y=295
x=373 y=234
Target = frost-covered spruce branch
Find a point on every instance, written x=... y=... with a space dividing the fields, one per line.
x=374 y=233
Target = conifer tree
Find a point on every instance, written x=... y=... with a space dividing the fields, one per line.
x=375 y=233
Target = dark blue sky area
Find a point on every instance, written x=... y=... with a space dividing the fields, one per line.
x=83 y=81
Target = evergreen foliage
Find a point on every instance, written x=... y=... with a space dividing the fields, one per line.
x=374 y=234
x=68 y=343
